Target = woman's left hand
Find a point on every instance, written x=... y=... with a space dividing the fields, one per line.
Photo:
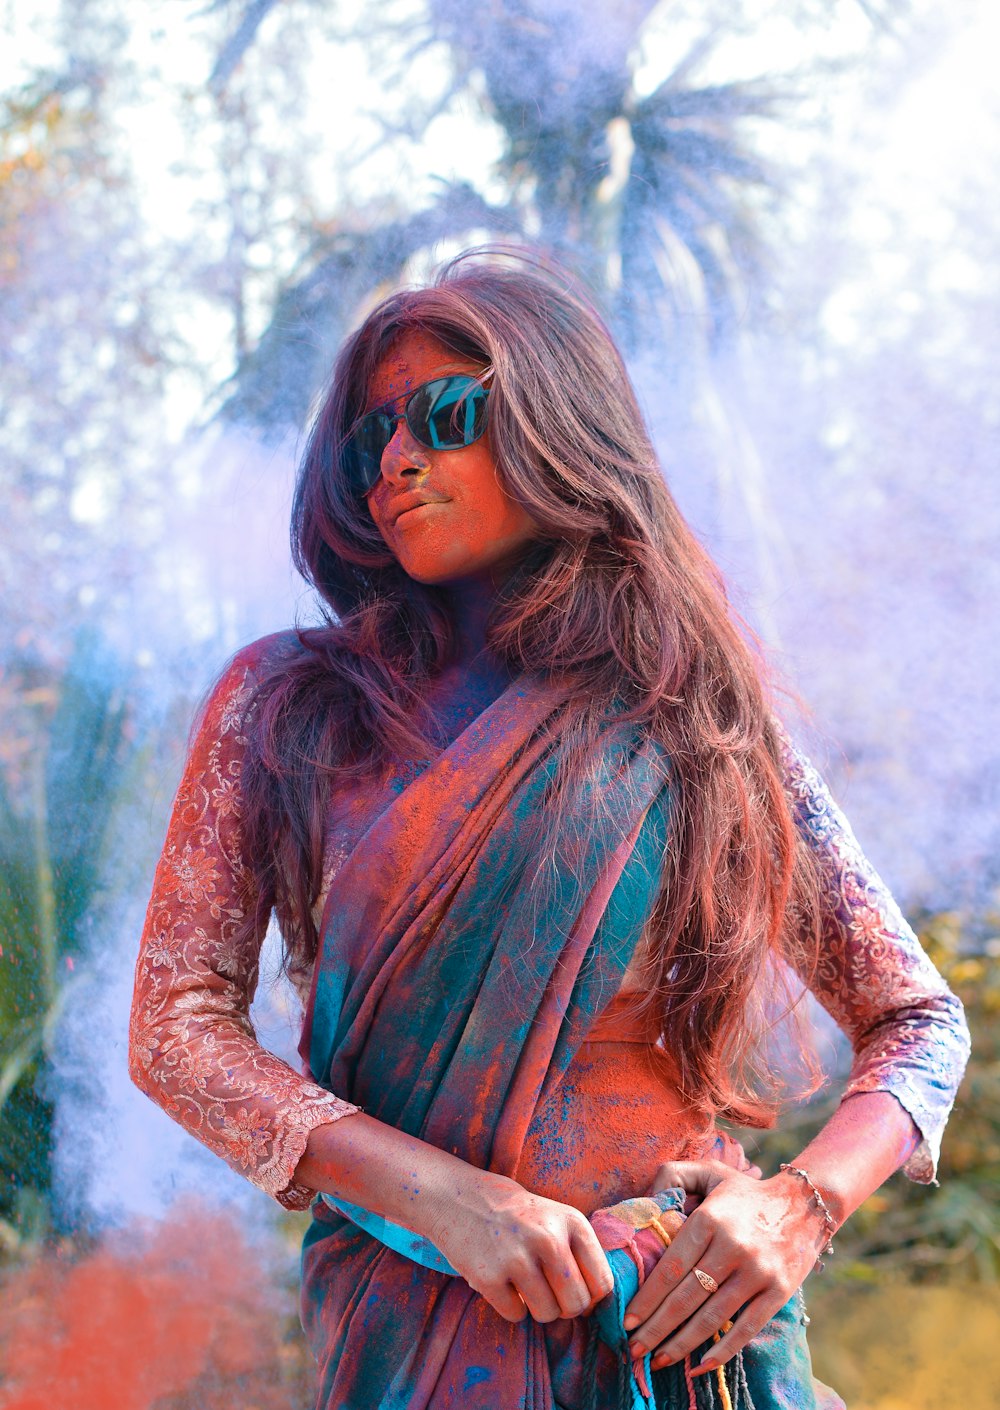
x=756 y=1239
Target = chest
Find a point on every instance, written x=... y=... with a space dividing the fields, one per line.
x=456 y=699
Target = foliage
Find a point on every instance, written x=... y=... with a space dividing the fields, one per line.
x=63 y=766
x=81 y=346
x=914 y=1232
x=277 y=380
x=657 y=198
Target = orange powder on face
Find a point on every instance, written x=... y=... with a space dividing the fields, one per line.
x=469 y=524
x=149 y=1314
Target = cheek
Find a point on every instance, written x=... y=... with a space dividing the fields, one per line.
x=489 y=523
x=481 y=525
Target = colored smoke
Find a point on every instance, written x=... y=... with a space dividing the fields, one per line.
x=173 y=1315
x=856 y=516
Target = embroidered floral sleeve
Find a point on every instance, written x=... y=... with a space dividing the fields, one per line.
x=192 y=1047
x=906 y=1027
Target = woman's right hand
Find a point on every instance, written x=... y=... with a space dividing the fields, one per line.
x=523 y=1253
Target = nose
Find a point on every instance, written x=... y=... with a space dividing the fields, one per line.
x=404 y=457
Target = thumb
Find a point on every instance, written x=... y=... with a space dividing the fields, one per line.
x=694 y=1177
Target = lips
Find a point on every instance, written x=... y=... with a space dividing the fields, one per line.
x=407 y=502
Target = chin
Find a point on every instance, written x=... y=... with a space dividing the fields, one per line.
x=438 y=574
x=437 y=567
x=430 y=578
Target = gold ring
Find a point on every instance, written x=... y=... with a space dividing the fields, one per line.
x=706 y=1280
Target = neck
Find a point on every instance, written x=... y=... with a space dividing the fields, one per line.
x=471 y=600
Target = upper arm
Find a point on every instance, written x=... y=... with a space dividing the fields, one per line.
x=192 y=1047
x=202 y=887
x=870 y=961
x=906 y=1027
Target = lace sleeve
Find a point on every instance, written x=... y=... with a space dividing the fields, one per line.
x=192 y=1047
x=906 y=1027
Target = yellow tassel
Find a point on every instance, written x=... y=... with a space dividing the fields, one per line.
x=658 y=1228
x=727 y=1404
x=644 y=1213
x=720 y=1371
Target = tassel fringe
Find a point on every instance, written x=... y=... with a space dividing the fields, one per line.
x=674 y=1387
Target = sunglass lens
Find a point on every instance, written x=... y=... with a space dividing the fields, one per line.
x=363 y=452
x=448 y=413
x=445 y=414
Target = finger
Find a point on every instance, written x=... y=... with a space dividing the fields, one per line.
x=508 y=1302
x=569 y=1286
x=593 y=1264
x=747 y=1167
x=750 y=1322
x=716 y=1313
x=687 y=1311
x=538 y=1295
x=673 y=1266
x=694 y=1177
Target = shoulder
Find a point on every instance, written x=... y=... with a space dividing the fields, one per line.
x=267 y=654
x=225 y=705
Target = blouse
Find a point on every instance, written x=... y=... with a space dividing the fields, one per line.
x=193 y=1049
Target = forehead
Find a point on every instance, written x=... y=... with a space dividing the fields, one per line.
x=414 y=358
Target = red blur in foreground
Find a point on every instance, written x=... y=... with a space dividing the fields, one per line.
x=154 y=1311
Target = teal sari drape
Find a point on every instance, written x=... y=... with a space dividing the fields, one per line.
x=454 y=983
x=457 y=975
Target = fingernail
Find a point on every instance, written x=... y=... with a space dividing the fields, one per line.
x=662 y=1361
x=636 y=1350
x=630 y=1321
x=703 y=1367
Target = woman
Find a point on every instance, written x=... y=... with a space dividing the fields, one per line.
x=537 y=849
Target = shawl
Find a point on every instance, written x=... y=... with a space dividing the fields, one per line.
x=456 y=977
x=462 y=962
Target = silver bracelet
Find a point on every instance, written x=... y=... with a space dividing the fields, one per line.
x=829 y=1223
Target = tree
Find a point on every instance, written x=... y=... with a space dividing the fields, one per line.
x=66 y=749
x=81 y=347
x=655 y=197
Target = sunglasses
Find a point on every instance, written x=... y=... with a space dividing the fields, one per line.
x=446 y=413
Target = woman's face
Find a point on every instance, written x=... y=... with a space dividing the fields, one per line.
x=443 y=513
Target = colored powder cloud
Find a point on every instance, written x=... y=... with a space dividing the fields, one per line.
x=174 y=1315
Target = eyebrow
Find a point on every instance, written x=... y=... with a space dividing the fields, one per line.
x=480 y=377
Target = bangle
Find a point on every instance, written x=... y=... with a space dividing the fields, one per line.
x=829 y=1223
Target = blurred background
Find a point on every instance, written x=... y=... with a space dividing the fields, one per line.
x=787 y=209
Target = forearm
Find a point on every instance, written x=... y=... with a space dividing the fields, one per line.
x=758 y=1239
x=866 y=1140
x=398 y=1176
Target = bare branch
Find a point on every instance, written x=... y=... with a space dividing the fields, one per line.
x=239 y=42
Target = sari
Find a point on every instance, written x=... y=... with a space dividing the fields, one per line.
x=458 y=974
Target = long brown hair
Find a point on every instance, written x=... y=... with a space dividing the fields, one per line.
x=616 y=598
